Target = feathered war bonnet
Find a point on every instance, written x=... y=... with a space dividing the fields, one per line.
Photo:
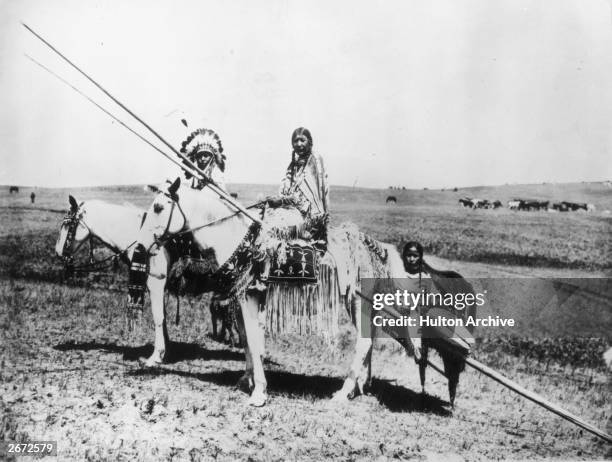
x=204 y=140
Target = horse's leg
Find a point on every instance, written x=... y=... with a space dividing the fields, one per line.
x=213 y=316
x=224 y=329
x=156 y=283
x=246 y=381
x=254 y=337
x=231 y=329
x=358 y=375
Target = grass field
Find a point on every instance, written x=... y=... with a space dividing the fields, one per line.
x=69 y=367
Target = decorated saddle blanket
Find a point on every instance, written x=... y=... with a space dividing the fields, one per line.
x=295 y=262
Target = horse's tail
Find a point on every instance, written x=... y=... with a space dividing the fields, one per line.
x=387 y=262
x=376 y=247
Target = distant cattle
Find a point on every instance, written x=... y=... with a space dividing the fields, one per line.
x=479 y=203
x=590 y=208
x=514 y=204
x=572 y=206
x=466 y=202
x=579 y=206
x=540 y=205
x=528 y=204
x=391 y=200
x=560 y=207
x=13 y=189
x=234 y=195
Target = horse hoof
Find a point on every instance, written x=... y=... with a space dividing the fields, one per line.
x=339 y=398
x=257 y=399
x=245 y=383
x=150 y=362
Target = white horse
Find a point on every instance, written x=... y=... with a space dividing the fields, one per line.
x=117 y=227
x=216 y=225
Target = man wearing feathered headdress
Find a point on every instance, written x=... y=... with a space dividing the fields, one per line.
x=203 y=147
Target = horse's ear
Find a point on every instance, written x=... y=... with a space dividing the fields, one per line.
x=73 y=204
x=151 y=188
x=173 y=188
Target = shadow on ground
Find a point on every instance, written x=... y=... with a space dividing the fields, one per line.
x=399 y=399
x=393 y=397
x=177 y=351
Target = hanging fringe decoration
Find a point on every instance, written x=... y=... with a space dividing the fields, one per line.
x=306 y=309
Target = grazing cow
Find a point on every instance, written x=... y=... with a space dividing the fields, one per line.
x=467 y=202
x=391 y=200
x=531 y=204
x=234 y=195
x=481 y=203
x=590 y=208
x=574 y=206
x=13 y=189
x=582 y=206
x=496 y=204
x=560 y=207
x=514 y=204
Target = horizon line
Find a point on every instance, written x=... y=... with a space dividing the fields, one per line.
x=391 y=187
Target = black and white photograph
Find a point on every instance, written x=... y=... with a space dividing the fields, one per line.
x=306 y=230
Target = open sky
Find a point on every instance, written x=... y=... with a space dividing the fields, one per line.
x=437 y=93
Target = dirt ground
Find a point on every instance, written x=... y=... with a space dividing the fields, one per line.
x=70 y=373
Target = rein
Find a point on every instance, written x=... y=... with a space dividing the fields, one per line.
x=73 y=219
x=232 y=275
x=164 y=238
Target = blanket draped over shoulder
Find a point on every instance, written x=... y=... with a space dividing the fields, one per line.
x=305 y=183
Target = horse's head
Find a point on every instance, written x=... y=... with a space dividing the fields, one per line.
x=73 y=231
x=164 y=217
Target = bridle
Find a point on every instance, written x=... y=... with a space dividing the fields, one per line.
x=160 y=240
x=72 y=220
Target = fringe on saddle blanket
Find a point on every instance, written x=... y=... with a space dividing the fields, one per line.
x=306 y=309
x=316 y=308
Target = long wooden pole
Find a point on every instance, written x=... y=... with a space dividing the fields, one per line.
x=112 y=116
x=208 y=181
x=512 y=385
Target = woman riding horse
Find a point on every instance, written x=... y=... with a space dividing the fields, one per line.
x=303 y=188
